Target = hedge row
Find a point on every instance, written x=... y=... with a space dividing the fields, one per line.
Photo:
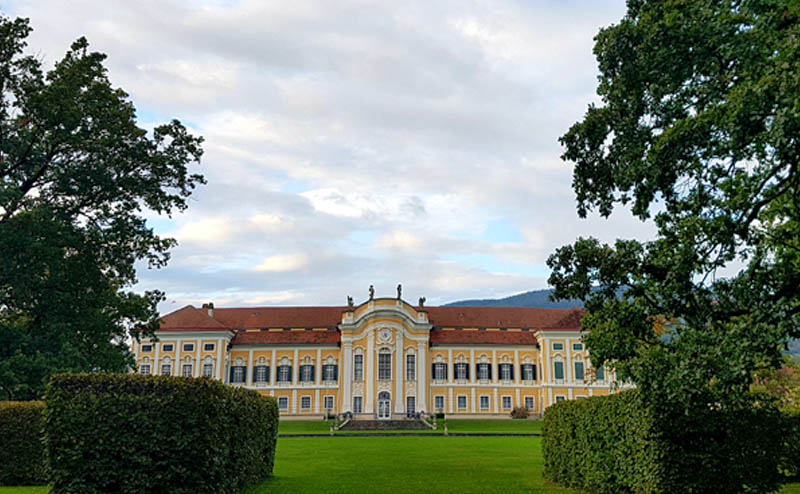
x=22 y=458
x=615 y=444
x=147 y=434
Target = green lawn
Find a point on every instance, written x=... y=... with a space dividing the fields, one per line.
x=498 y=426
x=404 y=464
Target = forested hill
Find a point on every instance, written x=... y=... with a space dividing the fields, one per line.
x=535 y=298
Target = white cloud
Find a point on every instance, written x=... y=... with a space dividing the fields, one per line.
x=283 y=263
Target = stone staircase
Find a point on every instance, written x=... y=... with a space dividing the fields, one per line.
x=385 y=425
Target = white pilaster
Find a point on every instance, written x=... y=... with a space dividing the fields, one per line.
x=517 y=404
x=249 y=371
x=451 y=366
x=370 y=373
x=177 y=364
x=494 y=399
x=473 y=409
x=318 y=368
x=220 y=360
x=399 y=402
x=294 y=401
x=156 y=364
x=197 y=359
x=295 y=369
x=316 y=401
x=517 y=369
x=450 y=404
x=568 y=370
x=346 y=378
x=495 y=371
x=472 y=371
x=422 y=381
x=273 y=372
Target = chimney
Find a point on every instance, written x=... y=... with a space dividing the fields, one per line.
x=210 y=308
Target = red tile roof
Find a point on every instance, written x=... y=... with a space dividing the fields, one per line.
x=189 y=318
x=286 y=338
x=501 y=317
x=280 y=317
x=453 y=337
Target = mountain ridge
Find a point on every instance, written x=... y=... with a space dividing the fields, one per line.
x=539 y=299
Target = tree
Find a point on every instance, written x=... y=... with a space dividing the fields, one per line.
x=77 y=174
x=699 y=129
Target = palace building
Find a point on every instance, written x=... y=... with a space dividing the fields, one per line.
x=384 y=358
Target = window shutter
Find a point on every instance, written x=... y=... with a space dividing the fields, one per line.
x=512 y=372
x=490 y=371
x=335 y=372
x=255 y=369
x=467 y=366
x=445 y=371
x=534 y=371
x=230 y=378
x=433 y=371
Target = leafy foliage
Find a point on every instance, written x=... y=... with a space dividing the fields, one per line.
x=698 y=128
x=22 y=458
x=520 y=413
x=138 y=434
x=76 y=174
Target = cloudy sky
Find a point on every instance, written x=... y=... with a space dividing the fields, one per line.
x=350 y=143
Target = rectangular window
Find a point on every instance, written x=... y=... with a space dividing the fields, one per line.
x=327 y=403
x=506 y=403
x=237 y=374
x=261 y=374
x=439 y=372
x=147 y=348
x=530 y=404
x=188 y=347
x=438 y=403
x=305 y=403
x=167 y=347
x=579 y=371
x=462 y=402
x=306 y=373
x=283 y=403
x=187 y=370
x=484 y=372
x=330 y=373
x=506 y=372
x=559 y=370
x=144 y=369
x=559 y=399
x=599 y=373
x=528 y=372
x=208 y=370
x=558 y=346
x=577 y=347
x=166 y=370
x=411 y=367
x=284 y=373
x=484 y=402
x=358 y=367
x=208 y=347
x=411 y=404
x=384 y=366
x=462 y=372
x=358 y=404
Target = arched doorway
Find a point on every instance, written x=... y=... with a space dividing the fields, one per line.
x=384 y=405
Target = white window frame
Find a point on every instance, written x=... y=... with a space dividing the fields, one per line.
x=560 y=398
x=207 y=345
x=411 y=367
x=261 y=374
x=360 y=407
x=188 y=347
x=464 y=368
x=530 y=376
x=147 y=348
x=483 y=371
x=208 y=370
x=530 y=400
x=305 y=402
x=327 y=402
x=306 y=373
x=458 y=402
x=384 y=366
x=236 y=378
x=558 y=346
x=168 y=347
x=185 y=372
x=488 y=402
x=283 y=403
x=505 y=371
x=329 y=372
x=144 y=369
x=411 y=404
x=577 y=347
x=168 y=367
x=575 y=370
x=284 y=371
x=358 y=367
x=503 y=402
x=436 y=402
x=439 y=371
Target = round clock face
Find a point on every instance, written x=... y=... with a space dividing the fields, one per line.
x=385 y=334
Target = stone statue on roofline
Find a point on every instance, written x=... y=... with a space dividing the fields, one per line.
x=399 y=291
x=422 y=301
x=349 y=301
x=371 y=292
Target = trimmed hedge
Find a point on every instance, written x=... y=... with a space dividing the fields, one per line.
x=615 y=444
x=22 y=458
x=151 y=434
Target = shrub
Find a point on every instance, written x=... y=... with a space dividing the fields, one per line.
x=146 y=434
x=616 y=444
x=790 y=462
x=519 y=413
x=22 y=459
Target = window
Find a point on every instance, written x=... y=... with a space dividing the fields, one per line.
x=411 y=367
x=238 y=373
x=530 y=404
x=305 y=403
x=559 y=370
x=358 y=404
x=506 y=372
x=144 y=369
x=599 y=373
x=462 y=402
x=528 y=372
x=558 y=346
x=330 y=372
x=577 y=347
x=306 y=373
x=147 y=348
x=411 y=404
x=506 y=403
x=188 y=347
x=283 y=403
x=438 y=403
x=187 y=370
x=261 y=374
x=559 y=399
x=579 y=371
x=439 y=372
x=384 y=366
x=484 y=372
x=208 y=347
x=284 y=373
x=484 y=402
x=358 y=367
x=461 y=372
x=166 y=370
x=327 y=403
x=208 y=370
x=167 y=348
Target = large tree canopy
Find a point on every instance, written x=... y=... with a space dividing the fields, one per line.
x=76 y=175
x=699 y=129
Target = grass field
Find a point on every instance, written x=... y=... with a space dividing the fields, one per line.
x=404 y=464
x=497 y=426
